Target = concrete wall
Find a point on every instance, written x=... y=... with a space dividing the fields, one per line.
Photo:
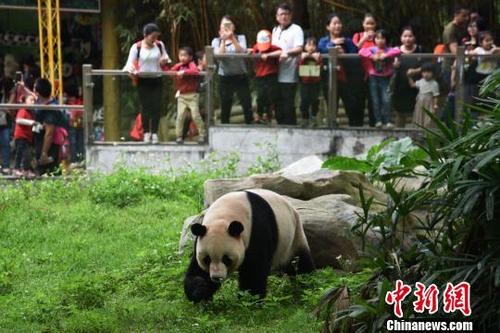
x=291 y=144
x=157 y=158
x=295 y=143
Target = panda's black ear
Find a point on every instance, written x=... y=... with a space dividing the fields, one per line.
x=235 y=228
x=198 y=229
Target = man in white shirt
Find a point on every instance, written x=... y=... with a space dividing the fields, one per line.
x=290 y=38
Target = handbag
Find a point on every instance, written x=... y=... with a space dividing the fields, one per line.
x=137 y=132
x=3 y=118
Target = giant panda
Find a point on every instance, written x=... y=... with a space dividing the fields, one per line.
x=252 y=232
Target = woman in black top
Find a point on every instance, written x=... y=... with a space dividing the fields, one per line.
x=404 y=96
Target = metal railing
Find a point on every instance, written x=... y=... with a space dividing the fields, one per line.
x=334 y=58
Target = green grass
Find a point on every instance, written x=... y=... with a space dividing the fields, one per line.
x=100 y=255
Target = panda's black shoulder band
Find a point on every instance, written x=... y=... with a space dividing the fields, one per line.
x=264 y=234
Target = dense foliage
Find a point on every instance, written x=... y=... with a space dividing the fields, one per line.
x=195 y=23
x=455 y=213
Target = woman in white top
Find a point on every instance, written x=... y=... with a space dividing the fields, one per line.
x=148 y=55
x=232 y=71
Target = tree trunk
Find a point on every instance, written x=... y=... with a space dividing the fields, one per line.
x=111 y=60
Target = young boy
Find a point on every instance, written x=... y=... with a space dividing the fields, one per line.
x=23 y=138
x=310 y=77
x=266 y=75
x=186 y=84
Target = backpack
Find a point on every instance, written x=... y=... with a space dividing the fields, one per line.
x=136 y=61
x=439 y=49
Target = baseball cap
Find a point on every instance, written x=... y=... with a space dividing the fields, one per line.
x=263 y=40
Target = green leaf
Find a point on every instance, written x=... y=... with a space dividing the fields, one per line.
x=375 y=149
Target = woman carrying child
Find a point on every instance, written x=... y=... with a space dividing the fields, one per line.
x=403 y=95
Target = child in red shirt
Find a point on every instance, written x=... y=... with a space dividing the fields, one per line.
x=187 y=95
x=310 y=77
x=23 y=138
x=366 y=38
x=266 y=75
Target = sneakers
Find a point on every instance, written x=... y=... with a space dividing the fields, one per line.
x=154 y=138
x=261 y=120
x=29 y=174
x=389 y=125
x=44 y=160
x=23 y=174
x=179 y=141
x=378 y=124
x=17 y=173
x=147 y=137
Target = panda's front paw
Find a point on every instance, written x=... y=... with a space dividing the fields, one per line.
x=198 y=289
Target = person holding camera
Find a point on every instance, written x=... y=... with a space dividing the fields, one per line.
x=232 y=71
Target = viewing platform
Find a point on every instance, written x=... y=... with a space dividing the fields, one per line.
x=290 y=142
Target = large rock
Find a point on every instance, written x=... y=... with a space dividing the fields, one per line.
x=304 y=165
x=327 y=223
x=304 y=186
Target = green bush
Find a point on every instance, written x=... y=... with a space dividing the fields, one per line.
x=458 y=236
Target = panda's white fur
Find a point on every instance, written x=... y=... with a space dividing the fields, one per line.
x=280 y=230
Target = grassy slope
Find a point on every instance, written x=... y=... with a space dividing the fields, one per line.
x=103 y=258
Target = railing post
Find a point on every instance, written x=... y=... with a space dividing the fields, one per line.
x=332 y=88
x=209 y=86
x=460 y=91
x=88 y=105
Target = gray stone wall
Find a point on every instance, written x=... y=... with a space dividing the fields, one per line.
x=291 y=143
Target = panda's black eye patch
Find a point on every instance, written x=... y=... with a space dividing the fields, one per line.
x=207 y=260
x=226 y=260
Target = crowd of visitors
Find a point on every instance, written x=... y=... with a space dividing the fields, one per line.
x=382 y=80
x=42 y=133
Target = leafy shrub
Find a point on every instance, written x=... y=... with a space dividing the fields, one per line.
x=459 y=238
x=268 y=162
x=384 y=161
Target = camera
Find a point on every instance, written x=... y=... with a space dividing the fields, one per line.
x=19 y=76
x=37 y=128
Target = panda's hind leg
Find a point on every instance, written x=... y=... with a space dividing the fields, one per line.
x=306 y=263
x=301 y=263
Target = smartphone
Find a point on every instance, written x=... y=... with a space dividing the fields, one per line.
x=19 y=76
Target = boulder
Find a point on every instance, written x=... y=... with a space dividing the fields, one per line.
x=327 y=223
x=304 y=186
x=303 y=166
